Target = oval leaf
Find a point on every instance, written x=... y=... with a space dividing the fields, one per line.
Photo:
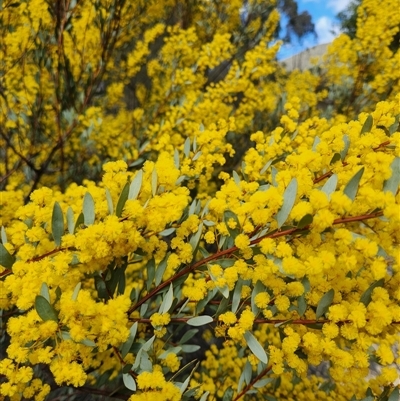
x=135 y=186
x=255 y=347
x=122 y=200
x=6 y=259
x=393 y=183
x=167 y=301
x=70 y=220
x=325 y=303
x=330 y=185
x=200 y=320
x=367 y=125
x=44 y=309
x=129 y=382
x=88 y=209
x=57 y=224
x=289 y=197
x=352 y=186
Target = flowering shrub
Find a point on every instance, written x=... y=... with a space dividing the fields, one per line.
x=171 y=272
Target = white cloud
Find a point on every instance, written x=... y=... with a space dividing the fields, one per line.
x=324 y=27
x=338 y=5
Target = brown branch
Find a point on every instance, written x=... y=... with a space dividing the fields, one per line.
x=253 y=382
x=233 y=249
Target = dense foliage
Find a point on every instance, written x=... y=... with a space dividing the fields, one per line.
x=182 y=218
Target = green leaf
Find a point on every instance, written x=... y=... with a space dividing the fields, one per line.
x=392 y=184
x=186 y=147
x=129 y=381
x=394 y=127
x=122 y=200
x=167 y=301
x=255 y=347
x=236 y=177
x=301 y=305
x=88 y=209
x=76 y=291
x=80 y=220
x=161 y=270
x=44 y=309
x=289 y=197
x=325 y=303
x=237 y=293
x=57 y=224
x=189 y=348
x=367 y=125
x=136 y=185
x=101 y=288
x=176 y=159
x=335 y=158
x=195 y=239
x=305 y=221
x=228 y=395
x=204 y=397
x=3 y=235
x=44 y=292
x=330 y=185
x=259 y=287
x=88 y=343
x=6 y=259
x=128 y=343
x=233 y=232
x=263 y=382
x=395 y=395
x=167 y=231
x=200 y=320
x=70 y=220
x=346 y=141
x=352 y=186
x=151 y=270
x=172 y=350
x=367 y=296
x=109 y=202
x=188 y=335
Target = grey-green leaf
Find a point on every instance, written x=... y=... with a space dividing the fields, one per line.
x=109 y=202
x=367 y=125
x=325 y=303
x=76 y=291
x=6 y=259
x=289 y=197
x=70 y=220
x=392 y=184
x=57 y=224
x=3 y=235
x=200 y=320
x=186 y=147
x=352 y=186
x=367 y=296
x=135 y=186
x=44 y=292
x=44 y=309
x=88 y=209
x=330 y=185
x=255 y=347
x=128 y=343
x=129 y=382
x=167 y=301
x=122 y=200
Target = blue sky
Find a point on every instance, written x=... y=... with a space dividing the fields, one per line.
x=323 y=14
